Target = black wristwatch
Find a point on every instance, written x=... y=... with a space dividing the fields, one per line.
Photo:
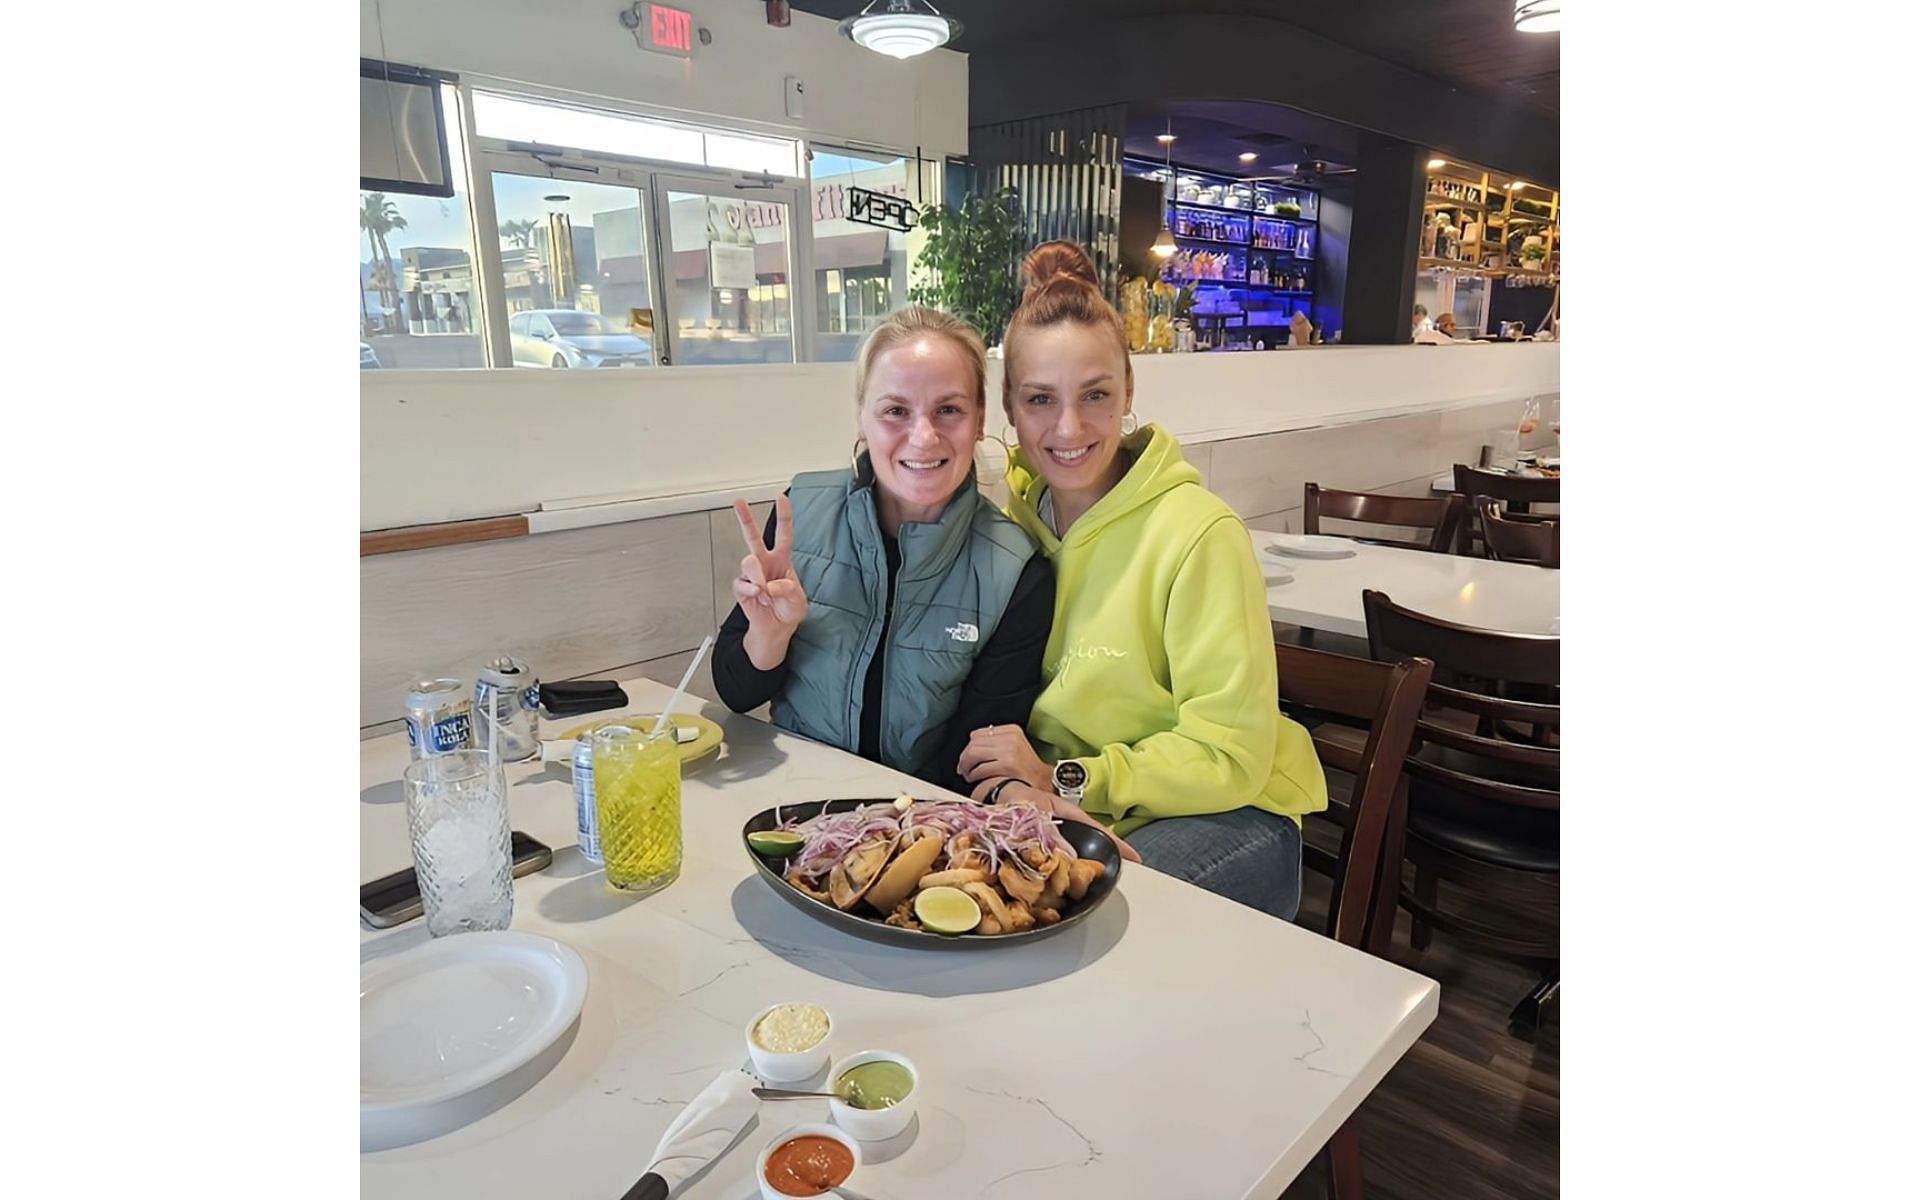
x=1069 y=780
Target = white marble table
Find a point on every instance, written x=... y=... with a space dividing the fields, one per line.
x=1175 y=1044
x=1324 y=593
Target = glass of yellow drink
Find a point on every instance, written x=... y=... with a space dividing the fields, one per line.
x=636 y=784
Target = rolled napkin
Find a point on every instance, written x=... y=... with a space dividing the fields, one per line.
x=701 y=1133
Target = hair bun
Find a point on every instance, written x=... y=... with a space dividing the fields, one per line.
x=1053 y=260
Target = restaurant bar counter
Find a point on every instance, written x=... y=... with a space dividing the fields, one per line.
x=586 y=515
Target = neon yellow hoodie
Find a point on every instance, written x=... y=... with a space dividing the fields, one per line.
x=1160 y=668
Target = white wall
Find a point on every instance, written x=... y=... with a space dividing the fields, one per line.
x=636 y=597
x=579 y=46
x=451 y=445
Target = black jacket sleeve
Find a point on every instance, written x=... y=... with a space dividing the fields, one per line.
x=1006 y=678
x=742 y=686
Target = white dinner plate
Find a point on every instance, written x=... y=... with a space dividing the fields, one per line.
x=1310 y=545
x=1551 y=464
x=457 y=1013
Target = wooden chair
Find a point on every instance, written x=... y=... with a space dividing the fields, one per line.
x=1439 y=516
x=1514 y=537
x=1483 y=807
x=1384 y=700
x=1517 y=494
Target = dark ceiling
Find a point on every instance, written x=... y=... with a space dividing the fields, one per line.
x=1211 y=135
x=1469 y=45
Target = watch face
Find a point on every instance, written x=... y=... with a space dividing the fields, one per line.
x=1069 y=774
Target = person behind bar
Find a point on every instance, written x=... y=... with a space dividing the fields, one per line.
x=1440 y=335
x=1421 y=321
x=888 y=608
x=1160 y=718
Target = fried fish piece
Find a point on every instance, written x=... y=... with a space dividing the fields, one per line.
x=1057 y=879
x=1018 y=885
x=1022 y=917
x=1047 y=916
x=952 y=878
x=1081 y=876
x=990 y=904
x=988 y=927
x=903 y=917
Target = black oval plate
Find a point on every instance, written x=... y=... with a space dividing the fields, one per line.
x=1086 y=840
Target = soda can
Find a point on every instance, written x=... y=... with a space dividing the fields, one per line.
x=508 y=689
x=439 y=718
x=587 y=811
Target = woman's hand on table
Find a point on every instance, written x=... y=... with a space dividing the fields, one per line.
x=1003 y=752
x=767 y=589
x=1043 y=799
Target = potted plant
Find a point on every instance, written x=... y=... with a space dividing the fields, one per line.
x=970 y=260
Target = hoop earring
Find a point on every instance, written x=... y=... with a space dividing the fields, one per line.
x=988 y=468
x=1128 y=423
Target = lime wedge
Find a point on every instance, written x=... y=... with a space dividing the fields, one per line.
x=946 y=910
x=774 y=843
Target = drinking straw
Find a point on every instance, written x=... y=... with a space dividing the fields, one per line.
x=681 y=690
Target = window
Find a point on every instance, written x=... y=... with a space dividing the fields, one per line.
x=574 y=254
x=516 y=119
x=419 y=300
x=860 y=269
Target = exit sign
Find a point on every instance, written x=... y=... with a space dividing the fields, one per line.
x=666 y=29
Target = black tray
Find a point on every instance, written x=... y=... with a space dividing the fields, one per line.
x=1086 y=840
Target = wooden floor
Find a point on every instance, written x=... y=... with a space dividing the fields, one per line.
x=1472 y=1111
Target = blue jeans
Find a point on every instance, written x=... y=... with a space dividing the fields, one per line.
x=1249 y=855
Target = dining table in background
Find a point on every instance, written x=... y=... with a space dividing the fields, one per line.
x=1172 y=1044
x=1324 y=593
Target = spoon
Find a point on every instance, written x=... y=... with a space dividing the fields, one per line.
x=767 y=1093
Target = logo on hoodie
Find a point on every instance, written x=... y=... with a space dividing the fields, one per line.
x=964 y=632
x=1082 y=652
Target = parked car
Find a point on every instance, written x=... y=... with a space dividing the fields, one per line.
x=563 y=337
x=369 y=361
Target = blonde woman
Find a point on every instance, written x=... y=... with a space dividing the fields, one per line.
x=889 y=608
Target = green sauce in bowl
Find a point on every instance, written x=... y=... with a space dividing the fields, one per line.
x=874 y=1085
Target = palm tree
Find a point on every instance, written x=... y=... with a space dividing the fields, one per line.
x=378 y=217
x=520 y=233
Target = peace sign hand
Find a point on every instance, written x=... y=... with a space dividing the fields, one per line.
x=768 y=590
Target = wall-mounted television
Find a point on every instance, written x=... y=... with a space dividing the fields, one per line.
x=403 y=130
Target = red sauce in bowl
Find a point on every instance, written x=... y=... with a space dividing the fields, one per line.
x=808 y=1166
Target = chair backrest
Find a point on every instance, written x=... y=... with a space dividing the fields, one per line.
x=1509 y=683
x=1519 y=539
x=1478 y=485
x=1498 y=485
x=1440 y=517
x=1387 y=697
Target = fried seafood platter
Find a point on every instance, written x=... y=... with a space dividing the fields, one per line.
x=862 y=865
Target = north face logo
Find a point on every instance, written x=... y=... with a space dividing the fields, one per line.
x=964 y=632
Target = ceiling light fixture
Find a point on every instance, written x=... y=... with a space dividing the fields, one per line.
x=1249 y=156
x=1536 y=16
x=1434 y=164
x=901 y=29
x=1164 y=245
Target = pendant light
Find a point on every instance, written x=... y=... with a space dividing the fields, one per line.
x=1536 y=16
x=1164 y=245
x=901 y=29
